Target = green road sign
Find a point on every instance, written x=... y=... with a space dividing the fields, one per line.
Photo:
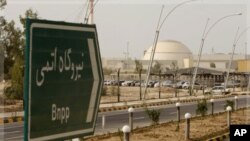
x=63 y=80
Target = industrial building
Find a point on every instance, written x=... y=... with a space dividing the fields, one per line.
x=174 y=54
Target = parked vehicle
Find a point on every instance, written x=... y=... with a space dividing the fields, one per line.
x=109 y=82
x=197 y=86
x=179 y=84
x=137 y=83
x=105 y=82
x=231 y=84
x=114 y=82
x=121 y=81
x=127 y=83
x=133 y=82
x=167 y=83
x=217 y=90
x=151 y=83
x=157 y=84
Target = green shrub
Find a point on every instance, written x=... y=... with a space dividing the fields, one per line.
x=104 y=91
x=202 y=108
x=154 y=115
x=229 y=103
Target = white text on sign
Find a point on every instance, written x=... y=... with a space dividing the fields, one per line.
x=60 y=113
x=64 y=64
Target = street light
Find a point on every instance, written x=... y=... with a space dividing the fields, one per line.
x=236 y=39
x=178 y=112
x=156 y=40
x=248 y=85
x=235 y=102
x=212 y=106
x=205 y=33
x=228 y=109
x=118 y=84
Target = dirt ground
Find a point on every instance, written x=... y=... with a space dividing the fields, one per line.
x=200 y=127
x=133 y=93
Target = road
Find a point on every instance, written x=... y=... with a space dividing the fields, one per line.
x=116 y=119
x=11 y=132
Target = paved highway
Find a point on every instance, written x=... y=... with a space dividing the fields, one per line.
x=11 y=132
x=116 y=119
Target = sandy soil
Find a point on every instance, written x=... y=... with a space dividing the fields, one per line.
x=200 y=127
x=133 y=93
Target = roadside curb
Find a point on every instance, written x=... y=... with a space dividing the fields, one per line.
x=126 y=106
x=11 y=119
x=219 y=138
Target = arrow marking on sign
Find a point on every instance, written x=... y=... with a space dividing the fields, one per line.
x=96 y=80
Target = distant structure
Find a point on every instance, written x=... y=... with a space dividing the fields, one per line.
x=219 y=61
x=243 y=65
x=171 y=54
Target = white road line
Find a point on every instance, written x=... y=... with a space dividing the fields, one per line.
x=17 y=137
x=11 y=127
x=139 y=118
x=11 y=132
x=172 y=113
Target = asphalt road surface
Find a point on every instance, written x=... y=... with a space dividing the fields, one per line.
x=117 y=119
x=11 y=132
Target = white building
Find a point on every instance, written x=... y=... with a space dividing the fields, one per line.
x=218 y=61
x=169 y=52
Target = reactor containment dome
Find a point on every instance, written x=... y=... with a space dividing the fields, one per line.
x=171 y=51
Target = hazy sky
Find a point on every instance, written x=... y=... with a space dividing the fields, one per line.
x=134 y=21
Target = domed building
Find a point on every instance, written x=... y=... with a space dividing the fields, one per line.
x=168 y=52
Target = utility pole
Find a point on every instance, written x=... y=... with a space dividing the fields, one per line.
x=91 y=16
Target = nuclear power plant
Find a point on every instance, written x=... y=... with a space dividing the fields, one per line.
x=171 y=52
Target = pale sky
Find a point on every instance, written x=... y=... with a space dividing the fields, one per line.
x=134 y=21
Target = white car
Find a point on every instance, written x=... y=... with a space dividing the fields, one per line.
x=167 y=83
x=179 y=84
x=157 y=84
x=231 y=84
x=218 y=90
x=127 y=83
x=197 y=86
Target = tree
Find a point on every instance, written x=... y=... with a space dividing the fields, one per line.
x=107 y=71
x=2 y=3
x=13 y=45
x=2 y=23
x=138 y=66
x=156 y=68
x=174 y=66
x=28 y=14
x=104 y=91
x=212 y=65
x=15 y=91
x=154 y=116
x=201 y=108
